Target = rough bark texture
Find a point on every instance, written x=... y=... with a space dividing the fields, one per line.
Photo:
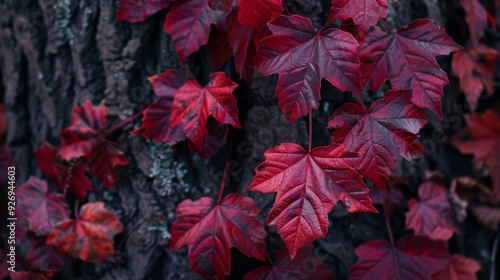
x=55 y=54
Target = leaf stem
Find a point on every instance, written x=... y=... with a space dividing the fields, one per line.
x=310 y=131
x=494 y=256
x=287 y=11
x=388 y=225
x=127 y=121
x=76 y=209
x=226 y=166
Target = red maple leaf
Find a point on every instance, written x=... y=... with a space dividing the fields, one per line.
x=194 y=104
x=223 y=5
x=431 y=215
x=406 y=58
x=40 y=209
x=218 y=49
x=90 y=236
x=140 y=10
x=476 y=17
x=460 y=268
x=483 y=131
x=188 y=23
x=303 y=266
x=302 y=57
x=380 y=134
x=85 y=138
x=44 y=256
x=411 y=258
x=364 y=13
x=211 y=230
x=257 y=13
x=63 y=174
x=308 y=186
x=34 y=274
x=476 y=70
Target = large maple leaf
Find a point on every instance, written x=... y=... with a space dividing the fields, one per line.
x=188 y=23
x=483 y=131
x=476 y=70
x=380 y=134
x=284 y=267
x=63 y=174
x=85 y=139
x=43 y=255
x=42 y=210
x=257 y=13
x=140 y=10
x=90 y=236
x=211 y=230
x=406 y=58
x=431 y=215
x=364 y=13
x=476 y=17
x=194 y=104
x=411 y=258
x=302 y=57
x=308 y=186
x=460 y=268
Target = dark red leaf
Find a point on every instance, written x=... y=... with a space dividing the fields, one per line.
x=218 y=48
x=223 y=5
x=44 y=256
x=308 y=186
x=211 y=230
x=140 y=10
x=103 y=161
x=460 y=268
x=34 y=274
x=387 y=130
x=411 y=258
x=194 y=104
x=431 y=215
x=328 y=54
x=476 y=17
x=242 y=43
x=42 y=210
x=5 y=162
x=406 y=58
x=484 y=136
x=188 y=23
x=63 y=174
x=364 y=13
x=257 y=13
x=303 y=266
x=90 y=236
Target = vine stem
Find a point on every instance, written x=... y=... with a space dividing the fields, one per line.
x=287 y=11
x=226 y=166
x=76 y=209
x=388 y=225
x=310 y=131
x=127 y=121
x=494 y=256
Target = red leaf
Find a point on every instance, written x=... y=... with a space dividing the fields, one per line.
x=308 y=186
x=211 y=230
x=411 y=258
x=140 y=10
x=431 y=215
x=218 y=48
x=329 y=54
x=193 y=104
x=484 y=136
x=223 y=5
x=157 y=117
x=58 y=171
x=44 y=256
x=387 y=130
x=476 y=17
x=303 y=266
x=364 y=13
x=84 y=138
x=257 y=13
x=406 y=58
x=42 y=210
x=188 y=23
x=90 y=236
x=34 y=274
x=460 y=268
x=244 y=48
x=475 y=76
